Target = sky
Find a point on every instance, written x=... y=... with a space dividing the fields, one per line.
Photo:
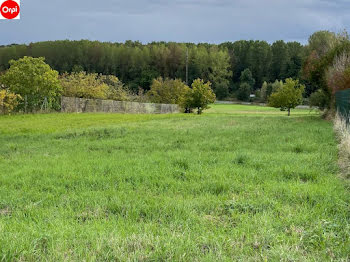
x=212 y=21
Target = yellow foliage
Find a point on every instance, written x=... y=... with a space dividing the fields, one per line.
x=83 y=85
x=167 y=91
x=8 y=101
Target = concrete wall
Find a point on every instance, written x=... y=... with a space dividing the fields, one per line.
x=82 y=105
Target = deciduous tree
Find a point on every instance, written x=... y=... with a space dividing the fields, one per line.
x=199 y=96
x=288 y=96
x=34 y=81
x=167 y=91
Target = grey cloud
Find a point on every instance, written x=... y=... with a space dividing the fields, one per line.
x=178 y=20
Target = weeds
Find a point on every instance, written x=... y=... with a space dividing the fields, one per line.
x=342 y=131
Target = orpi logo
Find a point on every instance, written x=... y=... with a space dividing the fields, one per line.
x=9 y=9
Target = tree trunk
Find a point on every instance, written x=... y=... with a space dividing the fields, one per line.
x=288 y=111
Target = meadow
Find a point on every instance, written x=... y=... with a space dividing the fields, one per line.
x=238 y=183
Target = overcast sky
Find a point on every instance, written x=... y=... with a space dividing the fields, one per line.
x=211 y=21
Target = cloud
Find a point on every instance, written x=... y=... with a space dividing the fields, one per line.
x=178 y=20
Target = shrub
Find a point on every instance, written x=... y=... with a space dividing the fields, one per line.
x=140 y=96
x=318 y=99
x=167 y=91
x=83 y=85
x=221 y=91
x=8 y=101
x=33 y=80
x=116 y=89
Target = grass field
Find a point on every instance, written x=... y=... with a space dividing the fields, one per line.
x=236 y=183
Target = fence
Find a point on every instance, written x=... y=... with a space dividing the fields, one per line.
x=342 y=100
x=82 y=105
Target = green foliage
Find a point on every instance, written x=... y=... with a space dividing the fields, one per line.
x=288 y=96
x=244 y=91
x=167 y=91
x=275 y=86
x=322 y=42
x=116 y=89
x=84 y=85
x=136 y=64
x=34 y=81
x=263 y=92
x=8 y=101
x=320 y=69
x=279 y=60
x=247 y=77
x=268 y=88
x=221 y=91
x=199 y=96
x=318 y=99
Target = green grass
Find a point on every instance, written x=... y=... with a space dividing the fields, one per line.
x=236 y=183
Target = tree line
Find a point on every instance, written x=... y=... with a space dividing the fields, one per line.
x=137 y=64
x=31 y=85
x=233 y=69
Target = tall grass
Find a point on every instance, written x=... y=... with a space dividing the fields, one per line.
x=238 y=183
x=343 y=133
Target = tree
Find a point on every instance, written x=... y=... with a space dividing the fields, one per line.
x=221 y=91
x=287 y=96
x=247 y=77
x=244 y=91
x=246 y=86
x=34 y=81
x=321 y=69
x=275 y=86
x=263 y=92
x=167 y=91
x=322 y=42
x=200 y=96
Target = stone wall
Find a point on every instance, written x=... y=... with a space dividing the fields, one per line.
x=83 y=105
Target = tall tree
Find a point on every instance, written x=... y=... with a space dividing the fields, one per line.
x=279 y=60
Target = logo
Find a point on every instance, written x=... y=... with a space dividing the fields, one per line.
x=9 y=9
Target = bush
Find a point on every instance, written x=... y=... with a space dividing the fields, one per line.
x=83 y=85
x=243 y=92
x=221 y=91
x=8 y=101
x=33 y=80
x=318 y=99
x=116 y=89
x=167 y=91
